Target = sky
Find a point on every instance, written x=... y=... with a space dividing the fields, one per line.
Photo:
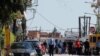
x=62 y=14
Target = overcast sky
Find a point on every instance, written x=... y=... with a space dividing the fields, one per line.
x=61 y=14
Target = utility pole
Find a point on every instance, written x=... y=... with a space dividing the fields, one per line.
x=79 y=27
x=23 y=24
x=0 y=38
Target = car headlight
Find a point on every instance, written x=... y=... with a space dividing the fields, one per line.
x=32 y=54
x=11 y=54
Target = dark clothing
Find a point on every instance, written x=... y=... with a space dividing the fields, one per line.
x=70 y=44
x=56 y=46
x=64 y=47
x=70 y=47
x=86 y=45
x=45 y=44
x=51 y=50
x=38 y=51
x=78 y=51
x=56 y=49
x=64 y=44
x=97 y=50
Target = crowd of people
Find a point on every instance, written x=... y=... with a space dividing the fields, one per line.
x=67 y=47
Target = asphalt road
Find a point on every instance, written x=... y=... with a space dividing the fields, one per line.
x=61 y=55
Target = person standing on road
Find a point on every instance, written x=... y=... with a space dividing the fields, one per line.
x=64 y=44
x=51 y=47
x=56 y=46
x=78 y=47
x=81 y=48
x=86 y=45
x=70 y=45
x=45 y=45
x=74 y=48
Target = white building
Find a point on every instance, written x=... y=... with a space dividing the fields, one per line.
x=71 y=35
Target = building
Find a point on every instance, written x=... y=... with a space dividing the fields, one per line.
x=71 y=35
x=44 y=34
x=33 y=34
x=55 y=35
x=37 y=34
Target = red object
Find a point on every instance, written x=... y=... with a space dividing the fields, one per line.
x=43 y=49
x=78 y=44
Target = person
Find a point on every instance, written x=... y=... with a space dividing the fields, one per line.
x=81 y=48
x=38 y=50
x=78 y=47
x=56 y=46
x=74 y=48
x=98 y=46
x=45 y=45
x=86 y=46
x=64 y=47
x=43 y=48
x=51 y=47
x=59 y=46
x=70 y=44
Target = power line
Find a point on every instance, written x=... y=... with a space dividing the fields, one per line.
x=44 y=19
x=35 y=4
x=34 y=12
x=50 y=21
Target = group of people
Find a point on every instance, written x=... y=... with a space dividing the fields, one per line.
x=70 y=47
x=78 y=47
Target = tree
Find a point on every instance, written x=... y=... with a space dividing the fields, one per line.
x=8 y=7
x=10 y=10
x=54 y=32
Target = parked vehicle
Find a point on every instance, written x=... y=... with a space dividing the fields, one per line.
x=34 y=42
x=23 y=49
x=93 y=39
x=36 y=45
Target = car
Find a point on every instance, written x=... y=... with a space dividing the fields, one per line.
x=34 y=42
x=37 y=45
x=23 y=49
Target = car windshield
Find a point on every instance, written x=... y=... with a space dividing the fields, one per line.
x=21 y=45
x=35 y=43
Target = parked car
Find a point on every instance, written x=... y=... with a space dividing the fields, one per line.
x=23 y=49
x=36 y=45
x=34 y=42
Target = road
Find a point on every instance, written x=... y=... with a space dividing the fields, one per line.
x=68 y=55
x=61 y=55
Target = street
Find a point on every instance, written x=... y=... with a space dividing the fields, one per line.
x=67 y=55
x=59 y=27
x=61 y=55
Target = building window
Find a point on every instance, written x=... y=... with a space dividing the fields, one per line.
x=94 y=39
x=91 y=39
x=98 y=38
